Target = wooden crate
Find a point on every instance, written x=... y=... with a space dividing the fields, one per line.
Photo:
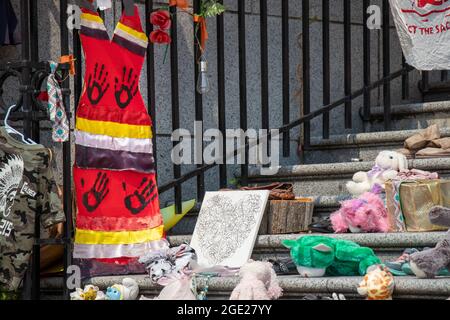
x=287 y=216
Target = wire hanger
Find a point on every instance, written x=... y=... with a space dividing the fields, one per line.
x=10 y=129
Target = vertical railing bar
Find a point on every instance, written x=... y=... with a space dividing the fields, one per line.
x=264 y=66
x=425 y=81
x=243 y=84
x=34 y=54
x=151 y=90
x=326 y=66
x=386 y=66
x=367 y=63
x=306 y=70
x=286 y=74
x=221 y=94
x=34 y=134
x=26 y=70
x=25 y=81
x=78 y=78
x=347 y=62
x=405 y=80
x=67 y=165
x=198 y=98
x=34 y=31
x=444 y=75
x=175 y=99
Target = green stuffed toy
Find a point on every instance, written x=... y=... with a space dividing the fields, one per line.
x=316 y=256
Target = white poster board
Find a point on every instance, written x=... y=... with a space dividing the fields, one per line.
x=227 y=227
x=423 y=28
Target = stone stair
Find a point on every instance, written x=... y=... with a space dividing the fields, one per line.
x=327 y=168
x=411 y=116
x=323 y=182
x=293 y=286
x=386 y=246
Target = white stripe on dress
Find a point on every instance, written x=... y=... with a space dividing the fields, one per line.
x=111 y=143
x=110 y=251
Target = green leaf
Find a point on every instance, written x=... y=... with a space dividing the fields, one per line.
x=212 y=8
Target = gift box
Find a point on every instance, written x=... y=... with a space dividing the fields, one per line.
x=409 y=202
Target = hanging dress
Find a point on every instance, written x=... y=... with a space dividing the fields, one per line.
x=117 y=198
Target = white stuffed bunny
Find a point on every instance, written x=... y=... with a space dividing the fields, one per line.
x=387 y=165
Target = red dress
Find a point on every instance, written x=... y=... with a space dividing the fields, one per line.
x=117 y=198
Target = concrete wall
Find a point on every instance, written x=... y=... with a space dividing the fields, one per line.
x=49 y=49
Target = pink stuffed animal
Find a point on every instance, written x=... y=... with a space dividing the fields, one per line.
x=364 y=214
x=258 y=282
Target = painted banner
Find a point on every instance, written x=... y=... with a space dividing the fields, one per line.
x=423 y=27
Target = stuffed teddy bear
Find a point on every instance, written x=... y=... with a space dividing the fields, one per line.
x=258 y=282
x=387 y=166
x=128 y=290
x=89 y=292
x=316 y=256
x=365 y=214
x=378 y=284
x=428 y=263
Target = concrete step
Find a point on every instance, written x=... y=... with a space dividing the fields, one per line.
x=293 y=286
x=330 y=179
x=323 y=206
x=412 y=116
x=365 y=146
x=387 y=247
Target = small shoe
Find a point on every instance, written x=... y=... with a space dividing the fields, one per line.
x=406 y=268
x=284 y=266
x=404 y=258
x=322 y=226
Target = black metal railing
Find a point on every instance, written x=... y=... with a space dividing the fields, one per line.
x=30 y=74
x=346 y=100
x=28 y=17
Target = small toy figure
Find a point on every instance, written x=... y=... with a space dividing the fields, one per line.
x=316 y=256
x=89 y=292
x=387 y=166
x=258 y=282
x=128 y=290
x=428 y=263
x=378 y=284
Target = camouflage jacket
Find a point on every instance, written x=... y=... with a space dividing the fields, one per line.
x=27 y=189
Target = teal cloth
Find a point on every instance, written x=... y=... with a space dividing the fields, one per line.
x=342 y=257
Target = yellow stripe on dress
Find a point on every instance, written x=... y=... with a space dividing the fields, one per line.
x=136 y=34
x=91 y=17
x=114 y=129
x=118 y=237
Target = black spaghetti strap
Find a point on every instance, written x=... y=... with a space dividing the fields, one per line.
x=85 y=4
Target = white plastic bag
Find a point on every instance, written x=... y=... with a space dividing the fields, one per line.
x=177 y=289
x=423 y=28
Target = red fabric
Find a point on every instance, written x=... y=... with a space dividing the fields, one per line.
x=117 y=61
x=106 y=114
x=119 y=261
x=117 y=223
x=108 y=195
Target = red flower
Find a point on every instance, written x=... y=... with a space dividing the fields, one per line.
x=160 y=36
x=161 y=18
